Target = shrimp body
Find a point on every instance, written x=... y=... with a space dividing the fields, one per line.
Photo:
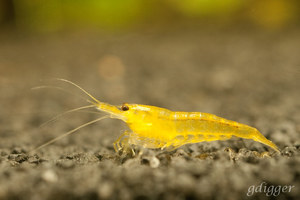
x=155 y=127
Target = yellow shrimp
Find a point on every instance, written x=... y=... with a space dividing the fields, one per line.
x=155 y=127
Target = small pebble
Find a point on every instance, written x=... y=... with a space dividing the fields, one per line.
x=50 y=176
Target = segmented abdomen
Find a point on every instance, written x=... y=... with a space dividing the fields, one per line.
x=204 y=123
x=196 y=127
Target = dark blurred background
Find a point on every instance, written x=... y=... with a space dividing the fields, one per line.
x=58 y=15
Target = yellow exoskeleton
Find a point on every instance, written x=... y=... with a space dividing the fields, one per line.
x=155 y=127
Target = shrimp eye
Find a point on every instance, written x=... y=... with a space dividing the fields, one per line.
x=124 y=107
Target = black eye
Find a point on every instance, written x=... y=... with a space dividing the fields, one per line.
x=124 y=107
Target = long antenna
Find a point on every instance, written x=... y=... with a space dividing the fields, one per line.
x=68 y=133
x=67 y=81
x=59 y=88
x=64 y=113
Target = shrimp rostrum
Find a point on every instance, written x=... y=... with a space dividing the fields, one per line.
x=155 y=127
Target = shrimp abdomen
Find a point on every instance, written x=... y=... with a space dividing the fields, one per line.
x=199 y=127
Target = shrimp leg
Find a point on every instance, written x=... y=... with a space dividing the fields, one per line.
x=122 y=141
